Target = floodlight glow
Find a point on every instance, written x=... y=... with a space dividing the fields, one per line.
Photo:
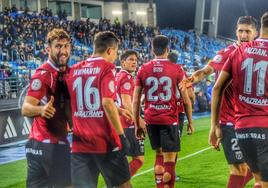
x=116 y=12
x=141 y=13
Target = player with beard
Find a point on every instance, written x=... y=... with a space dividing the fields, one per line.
x=239 y=174
x=125 y=89
x=48 y=150
x=246 y=67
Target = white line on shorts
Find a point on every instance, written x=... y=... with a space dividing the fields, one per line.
x=180 y=159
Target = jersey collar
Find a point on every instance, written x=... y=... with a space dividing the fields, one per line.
x=53 y=66
x=160 y=59
x=122 y=70
x=236 y=45
x=262 y=39
x=94 y=58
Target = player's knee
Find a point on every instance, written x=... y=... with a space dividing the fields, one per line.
x=140 y=158
x=158 y=169
x=239 y=169
x=167 y=177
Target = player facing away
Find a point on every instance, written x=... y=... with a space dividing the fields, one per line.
x=247 y=68
x=125 y=89
x=159 y=79
x=48 y=150
x=173 y=57
x=99 y=142
x=239 y=175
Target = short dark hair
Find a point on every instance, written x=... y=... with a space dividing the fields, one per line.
x=173 y=56
x=249 y=20
x=160 y=44
x=57 y=34
x=128 y=53
x=104 y=40
x=264 y=20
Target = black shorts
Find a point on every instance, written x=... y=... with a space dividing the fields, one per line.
x=230 y=145
x=166 y=137
x=136 y=145
x=48 y=164
x=181 y=116
x=86 y=168
x=254 y=146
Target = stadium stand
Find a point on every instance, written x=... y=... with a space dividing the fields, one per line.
x=22 y=44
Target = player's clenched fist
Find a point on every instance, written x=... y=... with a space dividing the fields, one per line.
x=48 y=110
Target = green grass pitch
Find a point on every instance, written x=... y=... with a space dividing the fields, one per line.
x=198 y=166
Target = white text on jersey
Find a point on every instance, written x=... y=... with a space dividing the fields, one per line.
x=256 y=51
x=95 y=70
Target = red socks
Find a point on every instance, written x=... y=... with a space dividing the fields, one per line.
x=134 y=166
x=248 y=177
x=170 y=169
x=236 y=181
x=159 y=176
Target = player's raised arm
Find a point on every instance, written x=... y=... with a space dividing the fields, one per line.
x=196 y=77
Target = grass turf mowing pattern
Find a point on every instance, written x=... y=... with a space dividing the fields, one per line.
x=207 y=169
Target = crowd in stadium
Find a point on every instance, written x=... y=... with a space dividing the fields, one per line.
x=110 y=84
x=22 y=39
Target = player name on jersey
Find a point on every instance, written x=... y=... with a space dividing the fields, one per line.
x=256 y=51
x=95 y=70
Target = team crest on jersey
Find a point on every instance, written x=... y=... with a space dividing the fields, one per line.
x=36 y=84
x=127 y=86
x=217 y=59
x=111 y=86
x=261 y=45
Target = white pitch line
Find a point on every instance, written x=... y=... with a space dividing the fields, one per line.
x=180 y=159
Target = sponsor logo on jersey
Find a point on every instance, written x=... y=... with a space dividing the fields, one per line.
x=114 y=72
x=226 y=49
x=43 y=72
x=34 y=151
x=36 y=84
x=238 y=155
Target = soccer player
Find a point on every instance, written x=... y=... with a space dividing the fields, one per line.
x=159 y=79
x=48 y=150
x=99 y=143
x=173 y=57
x=125 y=89
x=247 y=68
x=245 y=31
